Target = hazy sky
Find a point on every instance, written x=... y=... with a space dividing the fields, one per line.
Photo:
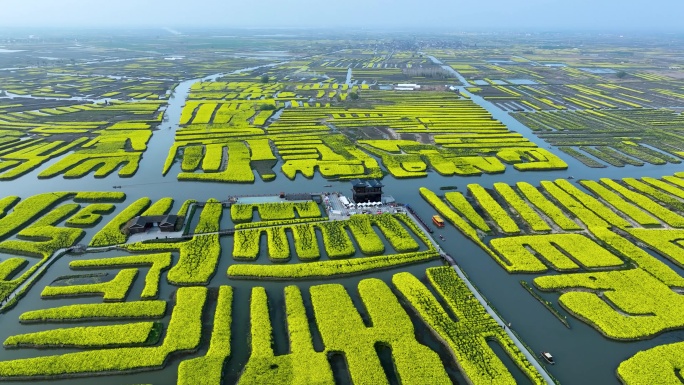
x=661 y=15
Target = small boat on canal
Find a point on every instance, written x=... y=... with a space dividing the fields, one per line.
x=438 y=221
x=548 y=357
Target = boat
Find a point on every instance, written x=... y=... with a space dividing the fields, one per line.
x=328 y=185
x=116 y=186
x=438 y=221
x=548 y=357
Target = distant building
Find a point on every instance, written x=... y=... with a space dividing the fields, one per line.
x=165 y=223
x=406 y=87
x=369 y=190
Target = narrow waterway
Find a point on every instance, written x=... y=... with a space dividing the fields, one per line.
x=452 y=71
x=162 y=139
x=584 y=356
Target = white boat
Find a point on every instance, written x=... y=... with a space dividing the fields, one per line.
x=548 y=357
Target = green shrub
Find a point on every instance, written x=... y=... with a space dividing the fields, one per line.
x=547 y=207
x=619 y=203
x=461 y=204
x=97 y=311
x=521 y=207
x=581 y=248
x=160 y=207
x=495 y=211
x=27 y=210
x=85 y=337
x=641 y=306
x=302 y=365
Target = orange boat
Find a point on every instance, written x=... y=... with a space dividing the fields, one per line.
x=438 y=221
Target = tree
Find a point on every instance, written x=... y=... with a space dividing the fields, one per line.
x=354 y=96
x=265 y=79
x=621 y=74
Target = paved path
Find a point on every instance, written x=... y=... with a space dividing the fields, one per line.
x=529 y=355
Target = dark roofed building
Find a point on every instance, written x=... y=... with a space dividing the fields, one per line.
x=166 y=223
x=366 y=190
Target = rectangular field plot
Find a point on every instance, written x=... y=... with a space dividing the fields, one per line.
x=615 y=137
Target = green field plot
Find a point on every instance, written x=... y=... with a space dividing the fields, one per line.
x=367 y=231
x=200 y=206
x=659 y=365
x=640 y=305
x=33 y=232
x=467 y=335
x=622 y=290
x=182 y=334
x=91 y=138
x=616 y=137
x=226 y=139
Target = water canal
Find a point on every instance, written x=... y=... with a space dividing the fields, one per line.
x=583 y=356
